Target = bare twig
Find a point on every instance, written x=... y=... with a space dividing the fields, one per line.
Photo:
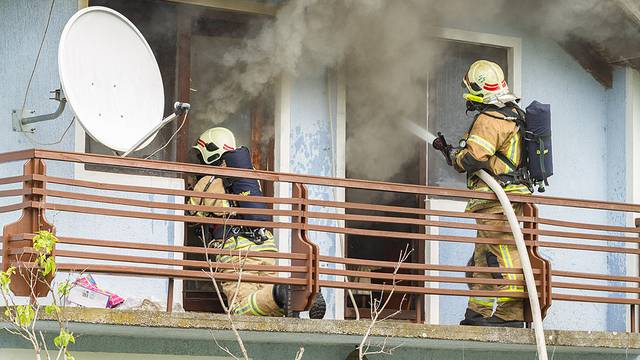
x=377 y=308
x=230 y=306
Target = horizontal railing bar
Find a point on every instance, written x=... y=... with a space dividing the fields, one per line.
x=467 y=226
x=165 y=217
x=163 y=205
x=174 y=262
x=163 y=191
x=173 y=273
x=166 y=248
x=577 y=225
x=416 y=266
x=318 y=180
x=347 y=217
x=582 y=275
x=419 y=290
x=601 y=248
x=314 y=180
x=251 y=174
x=410 y=210
x=593 y=287
x=15 y=192
x=595 y=299
x=363 y=232
x=267 y=224
x=420 y=278
x=14 y=207
x=17 y=155
x=15 y=179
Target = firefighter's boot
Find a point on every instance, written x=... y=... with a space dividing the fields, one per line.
x=472 y=318
x=281 y=295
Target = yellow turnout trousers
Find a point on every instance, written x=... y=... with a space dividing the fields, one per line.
x=251 y=298
x=504 y=256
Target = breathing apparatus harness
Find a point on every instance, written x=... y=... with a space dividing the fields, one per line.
x=533 y=146
x=519 y=174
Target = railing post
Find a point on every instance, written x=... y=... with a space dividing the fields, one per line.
x=17 y=239
x=633 y=309
x=302 y=297
x=537 y=263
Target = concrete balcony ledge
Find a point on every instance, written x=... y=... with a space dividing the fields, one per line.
x=129 y=331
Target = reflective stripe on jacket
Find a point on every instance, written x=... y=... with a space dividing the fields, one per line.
x=487 y=136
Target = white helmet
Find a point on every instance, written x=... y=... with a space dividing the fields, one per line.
x=215 y=142
x=486 y=85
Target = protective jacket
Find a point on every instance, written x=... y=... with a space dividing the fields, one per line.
x=490 y=137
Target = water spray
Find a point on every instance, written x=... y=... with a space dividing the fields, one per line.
x=517 y=235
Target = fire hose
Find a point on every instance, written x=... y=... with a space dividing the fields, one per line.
x=524 y=259
x=439 y=143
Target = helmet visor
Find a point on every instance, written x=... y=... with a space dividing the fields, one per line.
x=470 y=85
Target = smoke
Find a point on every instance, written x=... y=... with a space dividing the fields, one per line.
x=387 y=49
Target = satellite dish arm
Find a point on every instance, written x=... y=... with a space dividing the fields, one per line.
x=179 y=109
x=19 y=121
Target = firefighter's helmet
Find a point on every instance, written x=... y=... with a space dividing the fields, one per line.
x=213 y=143
x=485 y=84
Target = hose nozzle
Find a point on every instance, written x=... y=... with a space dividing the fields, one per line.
x=441 y=145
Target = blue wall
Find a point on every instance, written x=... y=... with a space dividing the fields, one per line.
x=22 y=30
x=588 y=127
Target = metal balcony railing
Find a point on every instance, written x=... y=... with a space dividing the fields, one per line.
x=305 y=268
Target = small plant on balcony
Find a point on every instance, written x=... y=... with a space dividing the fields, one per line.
x=22 y=318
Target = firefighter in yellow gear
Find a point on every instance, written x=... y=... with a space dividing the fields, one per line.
x=217 y=147
x=493 y=143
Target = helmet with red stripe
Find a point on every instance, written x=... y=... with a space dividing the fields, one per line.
x=486 y=84
x=213 y=143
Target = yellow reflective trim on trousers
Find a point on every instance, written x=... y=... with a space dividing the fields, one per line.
x=254 y=305
x=483 y=143
x=243 y=310
x=506 y=256
x=488 y=302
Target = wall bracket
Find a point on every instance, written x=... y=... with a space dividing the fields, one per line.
x=21 y=121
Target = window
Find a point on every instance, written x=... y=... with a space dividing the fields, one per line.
x=188 y=43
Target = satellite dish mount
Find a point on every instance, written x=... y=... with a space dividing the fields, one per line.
x=21 y=121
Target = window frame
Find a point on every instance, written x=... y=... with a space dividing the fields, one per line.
x=81 y=173
x=513 y=45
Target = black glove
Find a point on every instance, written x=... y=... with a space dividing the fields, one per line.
x=260 y=235
x=447 y=150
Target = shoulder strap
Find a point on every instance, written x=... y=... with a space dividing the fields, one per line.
x=506 y=160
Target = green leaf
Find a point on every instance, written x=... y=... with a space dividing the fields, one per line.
x=63 y=340
x=64 y=289
x=51 y=309
x=24 y=315
x=5 y=278
x=44 y=242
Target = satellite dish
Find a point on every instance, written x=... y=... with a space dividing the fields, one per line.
x=111 y=79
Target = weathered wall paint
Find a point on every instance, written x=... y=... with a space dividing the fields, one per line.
x=21 y=36
x=312 y=151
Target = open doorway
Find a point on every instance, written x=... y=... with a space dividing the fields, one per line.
x=441 y=108
x=446 y=114
x=379 y=148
